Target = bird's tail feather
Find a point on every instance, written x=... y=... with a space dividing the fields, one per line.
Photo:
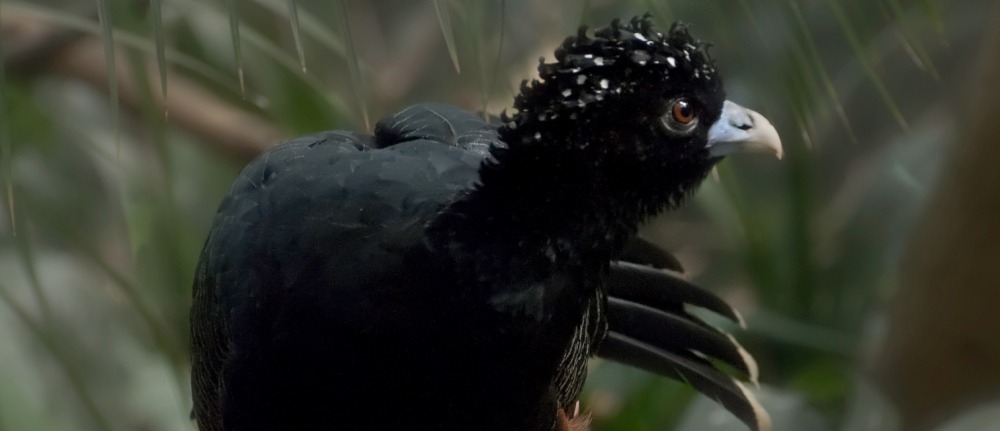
x=649 y=327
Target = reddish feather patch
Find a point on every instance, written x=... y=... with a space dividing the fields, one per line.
x=575 y=423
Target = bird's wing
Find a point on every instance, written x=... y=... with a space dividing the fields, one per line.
x=319 y=232
x=228 y=268
x=649 y=327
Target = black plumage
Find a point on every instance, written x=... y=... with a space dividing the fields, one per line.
x=444 y=273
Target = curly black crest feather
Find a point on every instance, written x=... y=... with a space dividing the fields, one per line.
x=619 y=67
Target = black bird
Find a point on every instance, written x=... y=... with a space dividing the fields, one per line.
x=449 y=274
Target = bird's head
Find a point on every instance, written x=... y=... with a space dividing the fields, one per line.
x=647 y=107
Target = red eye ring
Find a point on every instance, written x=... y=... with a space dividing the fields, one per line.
x=682 y=112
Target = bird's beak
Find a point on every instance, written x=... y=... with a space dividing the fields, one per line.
x=742 y=130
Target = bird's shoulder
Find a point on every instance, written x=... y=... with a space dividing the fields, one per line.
x=341 y=206
x=437 y=122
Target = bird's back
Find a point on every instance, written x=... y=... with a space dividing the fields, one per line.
x=316 y=278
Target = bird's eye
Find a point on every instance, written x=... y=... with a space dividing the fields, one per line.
x=682 y=116
x=682 y=112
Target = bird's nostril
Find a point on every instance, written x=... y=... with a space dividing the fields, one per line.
x=744 y=126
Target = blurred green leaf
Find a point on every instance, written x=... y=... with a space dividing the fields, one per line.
x=293 y=16
x=234 y=34
x=156 y=16
x=107 y=35
x=447 y=31
x=860 y=56
x=359 y=85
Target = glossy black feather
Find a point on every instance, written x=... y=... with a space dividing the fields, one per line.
x=642 y=252
x=675 y=332
x=692 y=370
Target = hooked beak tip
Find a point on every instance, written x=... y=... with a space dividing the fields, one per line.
x=742 y=130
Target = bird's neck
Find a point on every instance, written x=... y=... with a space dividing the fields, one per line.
x=529 y=242
x=543 y=204
x=556 y=200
